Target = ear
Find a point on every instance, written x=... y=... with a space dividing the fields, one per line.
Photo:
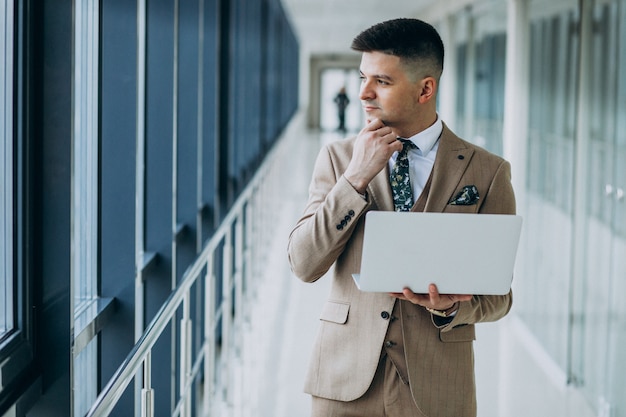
x=428 y=89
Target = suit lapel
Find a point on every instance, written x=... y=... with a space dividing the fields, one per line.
x=453 y=157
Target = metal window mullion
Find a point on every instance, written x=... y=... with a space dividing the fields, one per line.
x=259 y=230
x=470 y=76
x=200 y=128
x=577 y=287
x=140 y=167
x=175 y=143
x=226 y=309
x=76 y=119
x=6 y=159
x=141 y=396
x=92 y=118
x=239 y=321
x=248 y=251
x=147 y=393
x=239 y=265
x=174 y=219
x=261 y=225
x=516 y=95
x=185 y=356
x=209 y=332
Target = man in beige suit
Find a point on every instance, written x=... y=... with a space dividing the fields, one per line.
x=401 y=354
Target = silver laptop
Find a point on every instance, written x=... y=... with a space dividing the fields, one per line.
x=460 y=253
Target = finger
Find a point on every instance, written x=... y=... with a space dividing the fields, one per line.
x=433 y=294
x=395 y=144
x=374 y=124
x=408 y=293
x=414 y=298
x=384 y=132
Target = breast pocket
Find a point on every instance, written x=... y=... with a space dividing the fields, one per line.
x=335 y=312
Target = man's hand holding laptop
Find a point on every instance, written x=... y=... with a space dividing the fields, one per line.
x=446 y=304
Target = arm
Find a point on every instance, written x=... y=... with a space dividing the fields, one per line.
x=500 y=199
x=342 y=172
x=468 y=309
x=316 y=241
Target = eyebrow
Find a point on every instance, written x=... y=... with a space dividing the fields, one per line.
x=379 y=76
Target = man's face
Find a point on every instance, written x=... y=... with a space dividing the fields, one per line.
x=387 y=93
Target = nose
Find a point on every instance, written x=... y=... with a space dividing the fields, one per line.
x=366 y=92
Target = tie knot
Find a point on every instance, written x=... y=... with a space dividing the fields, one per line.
x=407 y=145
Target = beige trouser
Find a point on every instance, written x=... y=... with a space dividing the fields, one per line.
x=388 y=396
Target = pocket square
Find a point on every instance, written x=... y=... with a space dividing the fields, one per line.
x=466 y=197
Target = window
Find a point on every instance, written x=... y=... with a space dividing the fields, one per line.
x=85 y=201
x=7 y=289
x=550 y=180
x=85 y=155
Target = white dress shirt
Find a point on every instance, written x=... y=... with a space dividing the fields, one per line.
x=422 y=159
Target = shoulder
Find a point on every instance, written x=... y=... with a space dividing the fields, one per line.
x=450 y=141
x=334 y=157
x=340 y=149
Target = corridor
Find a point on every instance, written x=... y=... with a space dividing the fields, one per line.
x=155 y=155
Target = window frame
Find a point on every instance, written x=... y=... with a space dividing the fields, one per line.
x=7 y=183
x=21 y=380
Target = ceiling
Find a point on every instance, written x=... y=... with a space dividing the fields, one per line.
x=328 y=26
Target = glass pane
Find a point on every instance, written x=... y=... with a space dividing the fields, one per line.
x=548 y=220
x=6 y=167
x=85 y=154
x=590 y=358
x=461 y=70
x=616 y=357
x=85 y=191
x=489 y=94
x=85 y=386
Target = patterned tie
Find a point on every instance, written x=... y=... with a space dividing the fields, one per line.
x=399 y=178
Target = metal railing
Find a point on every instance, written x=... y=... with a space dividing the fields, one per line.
x=238 y=248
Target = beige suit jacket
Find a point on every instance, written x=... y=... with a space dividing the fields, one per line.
x=348 y=346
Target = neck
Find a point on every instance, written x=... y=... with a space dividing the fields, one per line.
x=420 y=125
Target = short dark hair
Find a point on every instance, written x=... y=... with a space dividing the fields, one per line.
x=414 y=41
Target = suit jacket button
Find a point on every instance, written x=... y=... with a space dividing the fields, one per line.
x=384 y=315
x=347 y=218
x=351 y=213
x=339 y=227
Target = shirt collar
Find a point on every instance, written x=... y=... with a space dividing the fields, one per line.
x=426 y=139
